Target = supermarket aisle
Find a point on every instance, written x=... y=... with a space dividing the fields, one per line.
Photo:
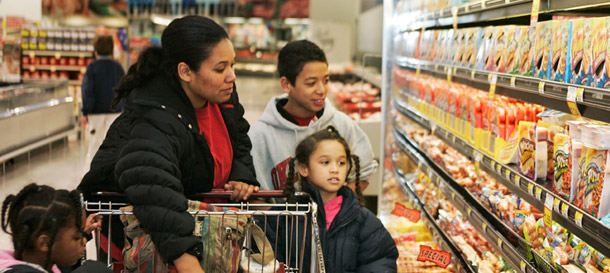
x=62 y=166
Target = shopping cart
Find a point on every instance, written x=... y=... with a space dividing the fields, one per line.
x=297 y=221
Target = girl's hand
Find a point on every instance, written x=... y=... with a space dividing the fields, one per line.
x=93 y=222
x=241 y=190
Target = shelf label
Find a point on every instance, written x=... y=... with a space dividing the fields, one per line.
x=539 y=195
x=402 y=211
x=534 y=16
x=548 y=210
x=523 y=266
x=500 y=243
x=517 y=180
x=541 y=87
x=493 y=165
x=433 y=128
x=57 y=55
x=418 y=70
x=556 y=204
x=578 y=219
x=508 y=176
x=452 y=195
x=512 y=81
x=439 y=257
x=32 y=54
x=574 y=95
x=419 y=164
x=564 y=210
x=484 y=226
x=530 y=189
x=454 y=12
x=435 y=67
x=448 y=70
x=469 y=211
x=492 y=78
x=498 y=168
x=472 y=73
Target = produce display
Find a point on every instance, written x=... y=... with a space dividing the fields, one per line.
x=360 y=100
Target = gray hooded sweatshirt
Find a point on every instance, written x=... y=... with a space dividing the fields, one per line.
x=274 y=140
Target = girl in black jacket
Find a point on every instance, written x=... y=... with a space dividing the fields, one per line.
x=182 y=132
x=352 y=238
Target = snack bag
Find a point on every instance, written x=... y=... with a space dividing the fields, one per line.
x=591 y=182
x=562 y=165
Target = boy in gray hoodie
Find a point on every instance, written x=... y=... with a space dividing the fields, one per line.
x=303 y=110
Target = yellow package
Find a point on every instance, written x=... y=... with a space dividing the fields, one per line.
x=527 y=149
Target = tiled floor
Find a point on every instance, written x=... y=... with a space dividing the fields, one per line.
x=62 y=164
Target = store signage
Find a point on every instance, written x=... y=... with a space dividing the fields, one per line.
x=439 y=257
x=402 y=211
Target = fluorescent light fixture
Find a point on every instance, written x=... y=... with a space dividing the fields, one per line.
x=160 y=20
x=255 y=20
x=235 y=20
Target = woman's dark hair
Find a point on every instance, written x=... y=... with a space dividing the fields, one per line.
x=189 y=39
x=293 y=57
x=304 y=150
x=36 y=210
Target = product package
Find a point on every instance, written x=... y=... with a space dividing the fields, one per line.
x=542 y=48
x=485 y=53
x=575 y=154
x=526 y=52
x=581 y=51
x=562 y=165
x=600 y=77
x=472 y=40
x=500 y=38
x=513 y=48
x=527 y=149
x=559 y=51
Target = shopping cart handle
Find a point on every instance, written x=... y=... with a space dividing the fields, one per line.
x=214 y=193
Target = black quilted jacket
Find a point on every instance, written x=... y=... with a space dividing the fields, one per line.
x=154 y=154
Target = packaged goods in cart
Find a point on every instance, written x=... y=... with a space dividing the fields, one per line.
x=542 y=49
x=600 y=77
x=560 y=45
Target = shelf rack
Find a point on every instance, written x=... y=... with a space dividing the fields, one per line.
x=595 y=103
x=574 y=219
x=72 y=68
x=511 y=246
x=487 y=10
x=57 y=53
x=440 y=237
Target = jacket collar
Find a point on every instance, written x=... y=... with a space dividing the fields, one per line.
x=162 y=92
x=348 y=208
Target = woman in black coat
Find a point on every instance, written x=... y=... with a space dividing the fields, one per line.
x=182 y=132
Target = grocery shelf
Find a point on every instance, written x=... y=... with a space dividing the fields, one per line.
x=54 y=67
x=57 y=53
x=440 y=237
x=374 y=78
x=511 y=246
x=595 y=101
x=488 y=10
x=574 y=219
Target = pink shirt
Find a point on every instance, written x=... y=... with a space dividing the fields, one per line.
x=332 y=208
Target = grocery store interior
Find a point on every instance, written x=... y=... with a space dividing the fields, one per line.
x=488 y=118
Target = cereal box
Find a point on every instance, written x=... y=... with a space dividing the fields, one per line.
x=485 y=54
x=562 y=165
x=513 y=48
x=600 y=77
x=439 y=45
x=473 y=41
x=592 y=177
x=559 y=49
x=500 y=39
x=581 y=51
x=526 y=52
x=541 y=52
x=458 y=47
x=449 y=46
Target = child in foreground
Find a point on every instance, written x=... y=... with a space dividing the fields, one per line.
x=352 y=238
x=47 y=231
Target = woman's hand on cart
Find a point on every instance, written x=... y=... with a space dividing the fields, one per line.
x=188 y=263
x=241 y=190
x=93 y=222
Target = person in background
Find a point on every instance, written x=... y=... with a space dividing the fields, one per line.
x=351 y=237
x=101 y=77
x=182 y=132
x=304 y=109
x=47 y=230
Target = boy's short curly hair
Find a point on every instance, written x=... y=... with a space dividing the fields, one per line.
x=103 y=45
x=293 y=57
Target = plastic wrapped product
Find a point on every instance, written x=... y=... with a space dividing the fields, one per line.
x=527 y=149
x=592 y=196
x=562 y=165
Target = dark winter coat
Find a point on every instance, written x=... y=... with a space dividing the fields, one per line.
x=355 y=242
x=157 y=155
x=101 y=77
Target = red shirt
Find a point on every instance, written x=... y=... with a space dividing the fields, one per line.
x=302 y=121
x=212 y=127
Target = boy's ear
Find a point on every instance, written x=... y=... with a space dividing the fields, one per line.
x=184 y=72
x=303 y=170
x=42 y=243
x=285 y=84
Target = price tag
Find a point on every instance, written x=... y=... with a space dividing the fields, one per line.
x=548 y=210
x=32 y=68
x=430 y=174
x=498 y=168
x=435 y=66
x=523 y=266
x=57 y=55
x=517 y=180
x=454 y=12
x=53 y=68
x=534 y=16
x=539 y=195
x=477 y=162
x=82 y=70
x=469 y=211
x=541 y=87
x=578 y=219
x=452 y=195
x=530 y=189
x=472 y=73
x=571 y=96
x=492 y=78
x=574 y=95
x=453 y=138
x=564 y=210
x=417 y=71
x=507 y=174
x=493 y=165
x=32 y=54
x=512 y=81
x=448 y=75
x=484 y=227
x=500 y=243
x=433 y=128
x=556 y=204
x=419 y=164
x=441 y=12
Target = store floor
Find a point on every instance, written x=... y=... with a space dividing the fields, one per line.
x=62 y=164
